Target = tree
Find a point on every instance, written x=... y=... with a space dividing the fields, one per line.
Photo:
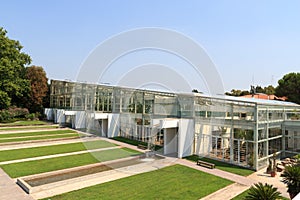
x=39 y=88
x=269 y=90
x=263 y=192
x=13 y=84
x=237 y=93
x=289 y=86
x=291 y=177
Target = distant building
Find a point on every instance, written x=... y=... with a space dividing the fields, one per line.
x=237 y=130
x=265 y=96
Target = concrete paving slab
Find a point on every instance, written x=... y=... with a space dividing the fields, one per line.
x=9 y=190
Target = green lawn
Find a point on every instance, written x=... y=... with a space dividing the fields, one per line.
x=223 y=166
x=66 y=135
x=133 y=142
x=38 y=133
x=53 y=149
x=244 y=194
x=51 y=164
x=18 y=128
x=23 y=123
x=173 y=182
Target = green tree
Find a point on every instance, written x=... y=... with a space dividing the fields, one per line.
x=291 y=177
x=259 y=89
x=289 y=86
x=263 y=192
x=39 y=88
x=13 y=84
x=237 y=93
x=269 y=90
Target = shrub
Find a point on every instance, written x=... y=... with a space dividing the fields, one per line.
x=30 y=116
x=291 y=177
x=260 y=191
x=8 y=115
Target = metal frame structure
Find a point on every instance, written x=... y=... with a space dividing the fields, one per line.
x=240 y=131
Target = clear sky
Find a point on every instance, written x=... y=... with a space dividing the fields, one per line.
x=249 y=41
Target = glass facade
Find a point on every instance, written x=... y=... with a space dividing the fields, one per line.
x=235 y=130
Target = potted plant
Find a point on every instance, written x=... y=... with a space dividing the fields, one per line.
x=273 y=170
x=270 y=167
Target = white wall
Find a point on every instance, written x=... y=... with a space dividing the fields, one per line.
x=80 y=120
x=60 y=116
x=113 y=125
x=186 y=132
x=49 y=114
x=170 y=141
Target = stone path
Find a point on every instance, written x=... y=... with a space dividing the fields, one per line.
x=9 y=190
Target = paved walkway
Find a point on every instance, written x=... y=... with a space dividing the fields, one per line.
x=9 y=190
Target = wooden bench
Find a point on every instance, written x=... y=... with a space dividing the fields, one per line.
x=140 y=146
x=205 y=164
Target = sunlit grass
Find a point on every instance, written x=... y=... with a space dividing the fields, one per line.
x=16 y=154
x=51 y=164
x=173 y=182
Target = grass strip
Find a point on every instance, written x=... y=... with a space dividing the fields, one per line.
x=173 y=182
x=134 y=142
x=67 y=135
x=27 y=128
x=223 y=166
x=24 y=123
x=16 y=154
x=11 y=135
x=51 y=164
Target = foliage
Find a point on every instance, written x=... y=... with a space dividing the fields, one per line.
x=243 y=195
x=291 y=177
x=289 y=86
x=39 y=88
x=14 y=87
x=172 y=182
x=263 y=192
x=237 y=93
x=12 y=112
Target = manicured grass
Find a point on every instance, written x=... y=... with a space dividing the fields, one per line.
x=26 y=128
x=23 y=123
x=66 y=135
x=244 y=194
x=133 y=142
x=173 y=182
x=51 y=164
x=53 y=149
x=223 y=166
x=39 y=133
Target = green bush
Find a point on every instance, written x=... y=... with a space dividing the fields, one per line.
x=30 y=116
x=13 y=113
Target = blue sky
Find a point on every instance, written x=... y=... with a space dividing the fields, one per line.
x=247 y=40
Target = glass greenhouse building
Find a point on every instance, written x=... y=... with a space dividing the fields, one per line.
x=241 y=131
